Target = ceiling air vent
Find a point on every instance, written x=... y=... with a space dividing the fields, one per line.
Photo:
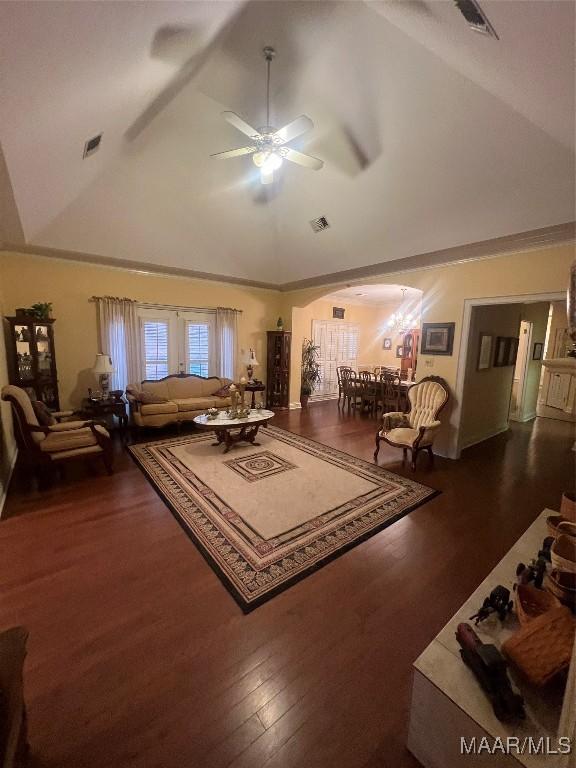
x=92 y=145
x=319 y=224
x=475 y=17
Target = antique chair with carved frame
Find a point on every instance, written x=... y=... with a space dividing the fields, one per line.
x=416 y=429
x=42 y=447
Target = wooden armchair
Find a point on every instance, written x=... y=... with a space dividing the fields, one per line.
x=339 y=372
x=416 y=429
x=50 y=445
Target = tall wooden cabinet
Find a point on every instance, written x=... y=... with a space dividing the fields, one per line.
x=31 y=357
x=278 y=369
x=410 y=356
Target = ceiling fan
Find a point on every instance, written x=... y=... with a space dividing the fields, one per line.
x=268 y=145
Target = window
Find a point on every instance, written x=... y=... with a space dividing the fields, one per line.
x=338 y=345
x=177 y=341
x=155 y=346
x=197 y=348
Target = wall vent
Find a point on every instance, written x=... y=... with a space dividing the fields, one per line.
x=92 y=145
x=319 y=224
x=475 y=17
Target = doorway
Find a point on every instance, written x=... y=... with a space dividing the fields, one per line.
x=518 y=408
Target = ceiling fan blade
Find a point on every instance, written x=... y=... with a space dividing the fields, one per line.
x=293 y=129
x=306 y=160
x=240 y=124
x=234 y=153
x=266 y=177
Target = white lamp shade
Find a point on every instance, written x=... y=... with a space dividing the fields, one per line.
x=103 y=364
x=249 y=358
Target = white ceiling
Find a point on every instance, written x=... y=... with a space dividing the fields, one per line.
x=433 y=136
x=376 y=294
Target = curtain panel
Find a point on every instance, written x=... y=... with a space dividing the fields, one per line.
x=226 y=356
x=119 y=337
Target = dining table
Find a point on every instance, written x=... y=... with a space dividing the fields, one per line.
x=403 y=386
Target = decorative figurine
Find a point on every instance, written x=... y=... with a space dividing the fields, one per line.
x=534 y=572
x=489 y=667
x=497 y=602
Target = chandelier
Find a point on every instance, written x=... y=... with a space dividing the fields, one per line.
x=401 y=321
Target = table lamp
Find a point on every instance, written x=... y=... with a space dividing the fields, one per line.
x=251 y=363
x=103 y=368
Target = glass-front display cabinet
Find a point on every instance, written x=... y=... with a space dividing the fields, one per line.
x=31 y=358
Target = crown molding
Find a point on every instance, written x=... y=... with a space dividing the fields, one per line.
x=141 y=267
x=547 y=237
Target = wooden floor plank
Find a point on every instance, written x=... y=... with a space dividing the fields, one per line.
x=138 y=655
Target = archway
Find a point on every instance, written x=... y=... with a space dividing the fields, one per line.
x=364 y=326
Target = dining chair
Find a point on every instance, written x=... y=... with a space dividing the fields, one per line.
x=339 y=370
x=346 y=375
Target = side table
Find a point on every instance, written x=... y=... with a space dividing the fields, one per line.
x=95 y=409
x=254 y=386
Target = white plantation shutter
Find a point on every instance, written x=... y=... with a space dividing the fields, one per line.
x=338 y=344
x=155 y=342
x=197 y=348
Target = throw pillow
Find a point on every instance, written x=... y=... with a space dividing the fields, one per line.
x=223 y=391
x=42 y=412
x=147 y=398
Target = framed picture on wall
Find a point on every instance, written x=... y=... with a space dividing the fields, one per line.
x=537 y=351
x=400 y=350
x=501 y=354
x=485 y=352
x=437 y=338
x=387 y=344
x=512 y=350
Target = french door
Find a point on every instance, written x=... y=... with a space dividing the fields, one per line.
x=338 y=345
x=175 y=341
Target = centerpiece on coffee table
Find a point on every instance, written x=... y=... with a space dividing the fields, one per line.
x=239 y=424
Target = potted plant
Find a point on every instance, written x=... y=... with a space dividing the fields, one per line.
x=310 y=375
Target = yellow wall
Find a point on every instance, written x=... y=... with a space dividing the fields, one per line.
x=69 y=286
x=372 y=331
x=444 y=290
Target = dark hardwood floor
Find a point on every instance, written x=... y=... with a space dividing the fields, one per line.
x=138 y=656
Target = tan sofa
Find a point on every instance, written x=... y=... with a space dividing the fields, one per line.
x=183 y=397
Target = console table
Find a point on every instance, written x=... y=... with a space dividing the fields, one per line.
x=447 y=701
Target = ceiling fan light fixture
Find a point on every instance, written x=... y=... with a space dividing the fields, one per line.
x=271 y=163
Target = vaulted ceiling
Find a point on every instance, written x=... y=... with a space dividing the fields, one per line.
x=433 y=136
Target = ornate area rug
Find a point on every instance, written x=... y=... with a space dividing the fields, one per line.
x=265 y=516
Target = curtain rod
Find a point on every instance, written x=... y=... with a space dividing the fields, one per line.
x=112 y=298
x=172 y=307
x=176 y=307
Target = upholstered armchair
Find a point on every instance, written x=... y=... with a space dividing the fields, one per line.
x=416 y=429
x=51 y=444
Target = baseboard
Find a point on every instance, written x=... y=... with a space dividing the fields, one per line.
x=9 y=474
x=524 y=419
x=294 y=406
x=322 y=398
x=475 y=440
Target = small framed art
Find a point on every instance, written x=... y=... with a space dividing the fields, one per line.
x=537 y=351
x=485 y=352
x=400 y=350
x=387 y=344
x=512 y=350
x=437 y=338
x=501 y=353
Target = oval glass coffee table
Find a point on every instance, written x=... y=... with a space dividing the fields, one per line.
x=231 y=431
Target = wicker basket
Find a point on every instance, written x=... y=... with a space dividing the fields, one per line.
x=568 y=506
x=557 y=524
x=563 y=553
x=532 y=602
x=542 y=649
x=563 y=586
